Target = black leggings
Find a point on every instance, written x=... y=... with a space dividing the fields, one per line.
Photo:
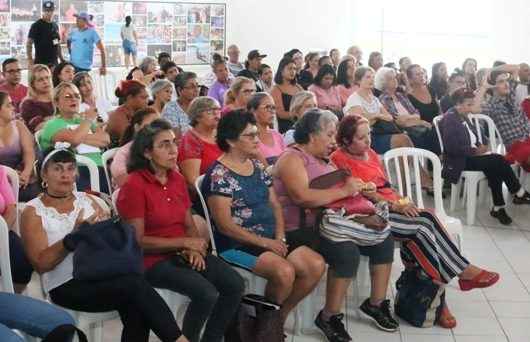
x=21 y=268
x=497 y=171
x=139 y=305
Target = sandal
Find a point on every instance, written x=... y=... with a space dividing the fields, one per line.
x=446 y=319
x=481 y=280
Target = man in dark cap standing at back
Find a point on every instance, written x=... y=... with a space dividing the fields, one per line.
x=252 y=67
x=44 y=33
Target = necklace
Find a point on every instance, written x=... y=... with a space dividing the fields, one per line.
x=57 y=197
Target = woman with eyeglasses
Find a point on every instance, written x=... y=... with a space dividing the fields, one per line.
x=271 y=143
x=176 y=112
x=79 y=129
x=248 y=216
x=197 y=148
x=238 y=94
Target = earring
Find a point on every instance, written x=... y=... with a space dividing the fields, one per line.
x=44 y=184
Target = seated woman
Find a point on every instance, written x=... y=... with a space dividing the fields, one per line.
x=34 y=317
x=426 y=242
x=83 y=81
x=283 y=91
x=249 y=220
x=462 y=151
x=63 y=72
x=270 y=144
x=420 y=94
x=37 y=107
x=118 y=166
x=79 y=130
x=135 y=97
x=222 y=81
x=237 y=96
x=301 y=103
x=439 y=80
x=310 y=70
x=176 y=112
x=407 y=117
x=295 y=169
x=17 y=149
x=46 y=227
x=365 y=104
x=197 y=149
x=346 y=79
x=326 y=91
x=175 y=257
x=161 y=92
x=21 y=269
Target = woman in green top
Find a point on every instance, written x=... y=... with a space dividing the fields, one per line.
x=79 y=129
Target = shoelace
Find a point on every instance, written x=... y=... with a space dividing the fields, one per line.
x=336 y=321
x=385 y=308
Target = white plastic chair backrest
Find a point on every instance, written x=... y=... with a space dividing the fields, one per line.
x=5 y=266
x=114 y=198
x=105 y=157
x=198 y=184
x=495 y=140
x=436 y=122
x=12 y=177
x=37 y=135
x=404 y=155
x=92 y=169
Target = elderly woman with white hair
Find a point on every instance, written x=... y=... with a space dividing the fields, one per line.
x=301 y=103
x=406 y=116
x=161 y=92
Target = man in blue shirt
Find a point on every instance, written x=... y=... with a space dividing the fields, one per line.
x=81 y=45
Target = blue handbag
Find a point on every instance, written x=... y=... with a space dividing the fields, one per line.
x=105 y=250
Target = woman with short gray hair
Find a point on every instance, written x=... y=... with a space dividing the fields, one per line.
x=198 y=148
x=301 y=103
x=161 y=92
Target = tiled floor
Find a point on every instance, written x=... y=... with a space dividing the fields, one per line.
x=497 y=314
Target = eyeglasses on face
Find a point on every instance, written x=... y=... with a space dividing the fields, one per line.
x=212 y=110
x=76 y=96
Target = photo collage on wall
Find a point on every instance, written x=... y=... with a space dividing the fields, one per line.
x=189 y=32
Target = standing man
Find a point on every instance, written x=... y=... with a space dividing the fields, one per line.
x=234 y=65
x=81 y=45
x=12 y=75
x=44 y=33
x=252 y=65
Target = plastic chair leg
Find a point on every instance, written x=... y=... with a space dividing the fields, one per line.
x=471 y=201
x=455 y=193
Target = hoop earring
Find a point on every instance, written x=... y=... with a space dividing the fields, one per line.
x=44 y=184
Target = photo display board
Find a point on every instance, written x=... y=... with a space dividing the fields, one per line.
x=190 y=32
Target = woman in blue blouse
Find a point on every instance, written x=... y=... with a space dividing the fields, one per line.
x=249 y=220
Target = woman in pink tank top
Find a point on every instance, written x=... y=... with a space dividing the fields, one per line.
x=314 y=140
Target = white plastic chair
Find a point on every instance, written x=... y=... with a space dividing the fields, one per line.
x=92 y=169
x=105 y=158
x=303 y=313
x=175 y=301
x=404 y=155
x=13 y=179
x=471 y=183
x=5 y=266
x=37 y=136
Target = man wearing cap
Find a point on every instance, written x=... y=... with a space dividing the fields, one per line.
x=252 y=67
x=44 y=33
x=512 y=123
x=81 y=45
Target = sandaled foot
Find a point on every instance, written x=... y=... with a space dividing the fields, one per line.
x=482 y=280
x=446 y=319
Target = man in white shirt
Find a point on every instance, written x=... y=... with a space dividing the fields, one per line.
x=233 y=60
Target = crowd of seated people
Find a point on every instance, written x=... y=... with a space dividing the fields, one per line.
x=258 y=141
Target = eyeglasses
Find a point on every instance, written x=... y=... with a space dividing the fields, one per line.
x=252 y=136
x=14 y=71
x=72 y=96
x=270 y=108
x=213 y=110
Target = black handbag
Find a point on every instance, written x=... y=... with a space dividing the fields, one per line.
x=419 y=301
x=258 y=320
x=65 y=333
x=105 y=250
x=382 y=127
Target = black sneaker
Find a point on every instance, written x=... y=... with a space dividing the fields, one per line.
x=501 y=215
x=381 y=315
x=525 y=199
x=333 y=329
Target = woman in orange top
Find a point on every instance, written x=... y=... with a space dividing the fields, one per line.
x=425 y=241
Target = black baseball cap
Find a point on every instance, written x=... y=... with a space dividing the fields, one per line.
x=255 y=54
x=48 y=6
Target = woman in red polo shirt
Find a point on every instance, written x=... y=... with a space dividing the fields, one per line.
x=198 y=149
x=155 y=201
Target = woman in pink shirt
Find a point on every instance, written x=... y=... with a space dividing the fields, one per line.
x=326 y=91
x=271 y=143
x=345 y=79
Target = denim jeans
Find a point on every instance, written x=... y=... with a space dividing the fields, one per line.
x=34 y=317
x=215 y=294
